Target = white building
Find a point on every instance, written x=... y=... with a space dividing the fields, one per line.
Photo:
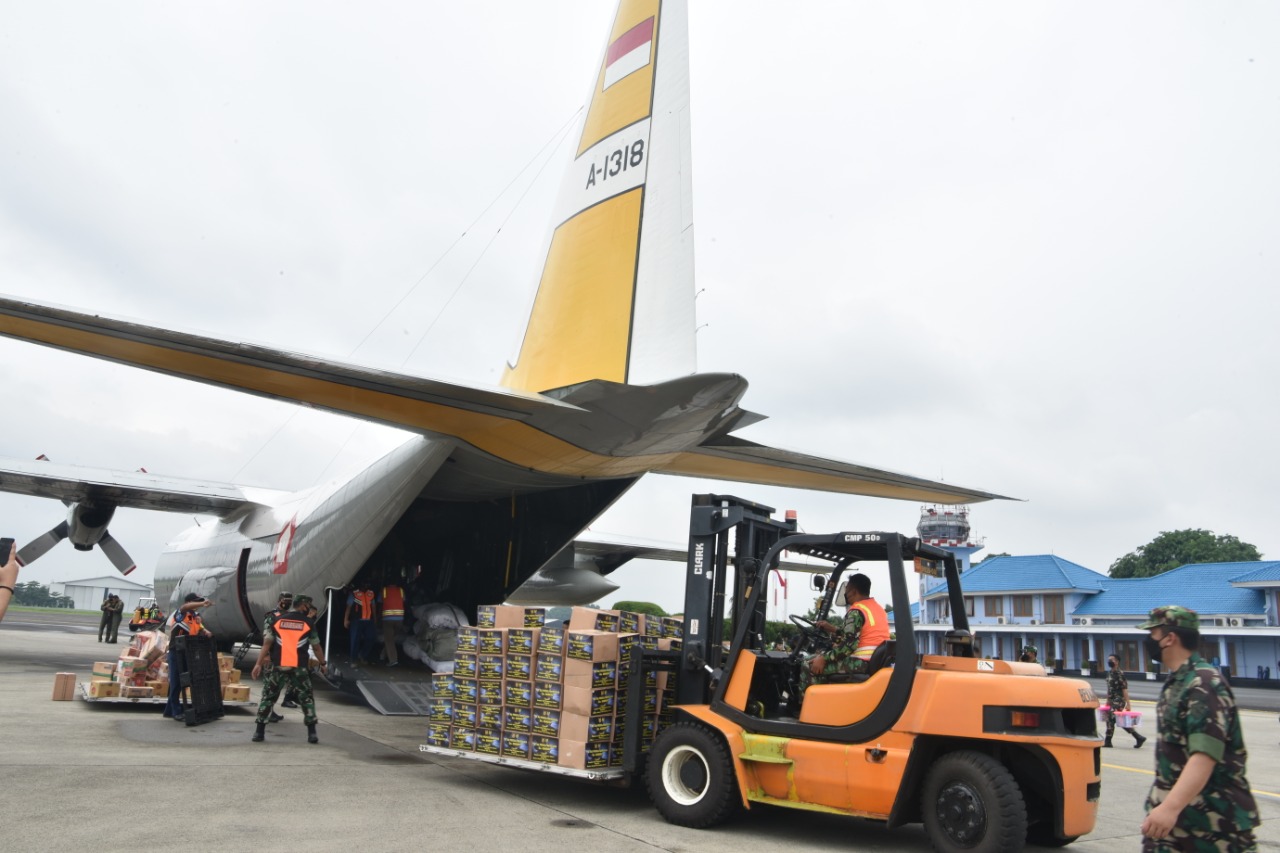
x=89 y=593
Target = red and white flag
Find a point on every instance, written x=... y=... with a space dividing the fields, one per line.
x=629 y=52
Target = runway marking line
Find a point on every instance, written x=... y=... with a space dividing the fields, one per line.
x=1256 y=792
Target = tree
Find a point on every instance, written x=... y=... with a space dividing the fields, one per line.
x=1172 y=549
x=992 y=556
x=33 y=594
x=645 y=607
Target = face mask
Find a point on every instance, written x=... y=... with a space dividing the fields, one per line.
x=1154 y=652
x=1113 y=665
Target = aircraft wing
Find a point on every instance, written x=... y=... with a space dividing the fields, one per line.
x=732 y=458
x=396 y=399
x=76 y=484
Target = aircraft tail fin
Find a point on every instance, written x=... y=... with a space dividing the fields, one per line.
x=615 y=299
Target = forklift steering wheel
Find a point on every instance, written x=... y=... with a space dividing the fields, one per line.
x=810 y=634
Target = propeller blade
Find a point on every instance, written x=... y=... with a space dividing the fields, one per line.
x=116 y=554
x=36 y=548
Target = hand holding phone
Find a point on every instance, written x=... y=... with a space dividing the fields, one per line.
x=6 y=550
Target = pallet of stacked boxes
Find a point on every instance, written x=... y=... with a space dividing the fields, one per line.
x=524 y=693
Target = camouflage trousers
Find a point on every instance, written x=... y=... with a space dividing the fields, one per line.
x=1180 y=842
x=848 y=666
x=297 y=680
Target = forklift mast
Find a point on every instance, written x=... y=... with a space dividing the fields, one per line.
x=712 y=518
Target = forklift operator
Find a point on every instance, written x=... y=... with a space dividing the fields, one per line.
x=864 y=627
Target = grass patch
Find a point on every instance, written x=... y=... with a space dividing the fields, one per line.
x=26 y=608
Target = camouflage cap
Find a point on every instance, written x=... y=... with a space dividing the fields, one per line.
x=285 y=595
x=1032 y=649
x=302 y=599
x=1171 y=616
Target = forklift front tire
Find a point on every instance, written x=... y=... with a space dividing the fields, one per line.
x=691 y=776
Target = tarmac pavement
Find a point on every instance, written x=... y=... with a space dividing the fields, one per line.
x=111 y=777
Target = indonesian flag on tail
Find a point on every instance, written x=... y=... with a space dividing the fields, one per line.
x=629 y=53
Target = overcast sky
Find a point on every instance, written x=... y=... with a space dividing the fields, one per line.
x=1029 y=248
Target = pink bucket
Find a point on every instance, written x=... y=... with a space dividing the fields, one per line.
x=1128 y=719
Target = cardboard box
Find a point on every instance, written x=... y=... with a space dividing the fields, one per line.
x=672 y=628
x=468 y=640
x=104 y=670
x=548 y=694
x=576 y=727
x=523 y=641
x=488 y=717
x=517 y=693
x=493 y=641
x=466 y=665
x=226 y=662
x=590 y=703
x=490 y=667
x=587 y=756
x=131 y=692
x=129 y=666
x=590 y=674
x=651 y=626
x=515 y=744
x=233 y=676
x=463 y=738
x=159 y=687
x=592 y=619
x=465 y=716
x=508 y=616
x=629 y=623
x=544 y=749
x=489 y=741
x=490 y=693
x=516 y=719
x=591 y=645
x=103 y=689
x=544 y=721
x=440 y=710
x=439 y=734
x=64 y=686
x=466 y=690
x=551 y=641
x=519 y=667
x=442 y=685
x=549 y=667
x=235 y=693
x=224 y=677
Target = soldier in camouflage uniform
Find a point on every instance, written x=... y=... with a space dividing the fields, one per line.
x=283 y=604
x=856 y=636
x=285 y=643
x=1118 y=700
x=1200 y=799
x=1030 y=654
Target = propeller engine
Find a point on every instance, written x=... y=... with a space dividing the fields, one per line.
x=86 y=526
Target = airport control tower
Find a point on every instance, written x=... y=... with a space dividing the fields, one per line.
x=947 y=526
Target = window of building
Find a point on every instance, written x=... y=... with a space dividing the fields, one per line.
x=1053 y=612
x=944 y=608
x=993 y=605
x=968 y=605
x=1049 y=653
x=1022 y=605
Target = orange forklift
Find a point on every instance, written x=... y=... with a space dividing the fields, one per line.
x=987 y=754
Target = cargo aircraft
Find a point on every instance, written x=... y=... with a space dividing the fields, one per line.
x=494 y=484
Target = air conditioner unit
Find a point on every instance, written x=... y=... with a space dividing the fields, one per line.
x=1084 y=620
x=1035 y=621
x=1000 y=620
x=1235 y=621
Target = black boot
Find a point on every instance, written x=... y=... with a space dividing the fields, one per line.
x=260 y=733
x=1139 y=740
x=274 y=718
x=1107 y=743
x=312 y=737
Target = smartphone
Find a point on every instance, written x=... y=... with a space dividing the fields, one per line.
x=6 y=544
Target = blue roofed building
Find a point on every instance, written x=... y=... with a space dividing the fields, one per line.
x=1076 y=616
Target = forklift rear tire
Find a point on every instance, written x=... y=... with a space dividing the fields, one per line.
x=972 y=803
x=691 y=777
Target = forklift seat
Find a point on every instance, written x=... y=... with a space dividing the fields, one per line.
x=883 y=656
